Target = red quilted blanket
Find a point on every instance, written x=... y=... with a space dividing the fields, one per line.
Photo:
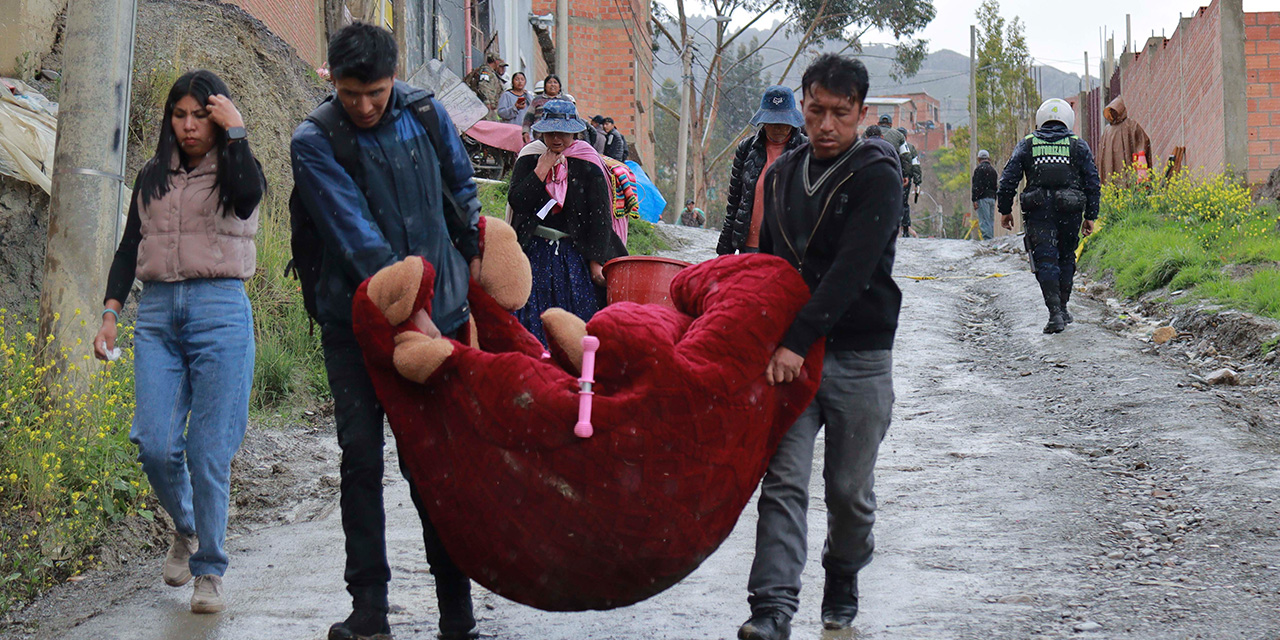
x=684 y=427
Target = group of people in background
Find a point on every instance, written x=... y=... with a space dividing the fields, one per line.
x=520 y=106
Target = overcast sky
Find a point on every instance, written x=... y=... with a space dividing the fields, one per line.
x=1058 y=38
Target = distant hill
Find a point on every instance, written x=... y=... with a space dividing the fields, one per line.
x=944 y=74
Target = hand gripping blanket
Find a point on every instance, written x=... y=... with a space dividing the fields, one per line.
x=684 y=422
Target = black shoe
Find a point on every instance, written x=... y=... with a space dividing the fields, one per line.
x=766 y=625
x=1064 y=294
x=457 y=618
x=1066 y=315
x=362 y=624
x=1053 y=301
x=839 y=601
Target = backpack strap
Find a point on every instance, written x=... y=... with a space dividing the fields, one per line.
x=331 y=119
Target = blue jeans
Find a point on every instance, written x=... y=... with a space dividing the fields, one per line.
x=987 y=217
x=854 y=404
x=193 y=368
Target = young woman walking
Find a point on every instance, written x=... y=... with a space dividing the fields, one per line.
x=189 y=239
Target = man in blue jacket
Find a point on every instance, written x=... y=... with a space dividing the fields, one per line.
x=1062 y=186
x=374 y=205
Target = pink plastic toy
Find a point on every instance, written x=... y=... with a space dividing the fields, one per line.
x=589 y=345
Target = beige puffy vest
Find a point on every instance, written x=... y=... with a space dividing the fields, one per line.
x=185 y=234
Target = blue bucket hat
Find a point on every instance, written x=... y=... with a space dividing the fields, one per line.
x=778 y=106
x=559 y=116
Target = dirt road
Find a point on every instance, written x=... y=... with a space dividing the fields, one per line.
x=1030 y=486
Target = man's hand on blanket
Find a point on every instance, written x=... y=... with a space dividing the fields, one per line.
x=785 y=366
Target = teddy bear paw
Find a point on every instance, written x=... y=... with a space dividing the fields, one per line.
x=418 y=356
x=395 y=289
x=565 y=332
x=504 y=269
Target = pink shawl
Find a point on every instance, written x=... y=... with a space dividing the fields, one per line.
x=558 y=179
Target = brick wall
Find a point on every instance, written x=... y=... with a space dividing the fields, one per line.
x=1173 y=88
x=1262 y=70
x=611 y=65
x=297 y=22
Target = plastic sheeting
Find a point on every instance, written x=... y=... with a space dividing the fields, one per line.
x=651 y=201
x=28 y=130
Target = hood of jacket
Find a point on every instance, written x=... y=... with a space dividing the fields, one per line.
x=1115 y=112
x=1053 y=132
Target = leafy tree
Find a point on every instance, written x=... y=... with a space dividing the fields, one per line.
x=1007 y=96
x=818 y=21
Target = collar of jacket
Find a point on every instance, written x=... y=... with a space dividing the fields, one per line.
x=208 y=164
x=784 y=169
x=762 y=137
x=1052 y=132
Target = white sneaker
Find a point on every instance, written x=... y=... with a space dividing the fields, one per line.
x=177 y=571
x=208 y=595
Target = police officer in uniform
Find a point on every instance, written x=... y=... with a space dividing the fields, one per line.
x=912 y=174
x=1062 y=186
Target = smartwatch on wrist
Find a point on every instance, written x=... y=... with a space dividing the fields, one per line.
x=237 y=133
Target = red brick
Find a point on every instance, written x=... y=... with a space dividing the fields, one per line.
x=1267 y=133
x=1265 y=104
x=1259 y=119
x=1250 y=19
x=1255 y=33
x=1267 y=46
x=1269 y=18
x=1256 y=90
x=1259 y=147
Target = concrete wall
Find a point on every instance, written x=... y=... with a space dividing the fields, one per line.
x=27 y=32
x=611 y=66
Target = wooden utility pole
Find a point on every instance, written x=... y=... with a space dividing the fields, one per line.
x=686 y=85
x=973 y=98
x=398 y=27
x=88 y=167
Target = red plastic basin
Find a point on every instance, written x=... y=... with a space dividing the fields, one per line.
x=641 y=279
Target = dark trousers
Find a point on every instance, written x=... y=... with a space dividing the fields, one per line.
x=1054 y=239
x=359 y=417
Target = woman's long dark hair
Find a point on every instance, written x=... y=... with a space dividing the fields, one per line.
x=153 y=180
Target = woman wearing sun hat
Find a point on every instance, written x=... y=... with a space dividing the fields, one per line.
x=779 y=125
x=562 y=211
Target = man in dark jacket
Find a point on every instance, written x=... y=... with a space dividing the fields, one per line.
x=912 y=174
x=1062 y=185
x=983 y=187
x=385 y=204
x=832 y=210
x=615 y=146
x=779 y=125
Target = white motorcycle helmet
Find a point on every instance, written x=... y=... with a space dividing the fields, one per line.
x=1055 y=109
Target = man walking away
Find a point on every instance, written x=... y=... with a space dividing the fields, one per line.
x=890 y=134
x=1062 y=185
x=831 y=210
x=692 y=216
x=372 y=165
x=487 y=84
x=912 y=174
x=983 y=187
x=615 y=146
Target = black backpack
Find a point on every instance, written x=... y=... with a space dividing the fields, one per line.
x=306 y=243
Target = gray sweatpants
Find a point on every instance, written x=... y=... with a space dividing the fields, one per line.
x=854 y=403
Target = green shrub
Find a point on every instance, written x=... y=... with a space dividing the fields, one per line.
x=643 y=239
x=493 y=200
x=67 y=467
